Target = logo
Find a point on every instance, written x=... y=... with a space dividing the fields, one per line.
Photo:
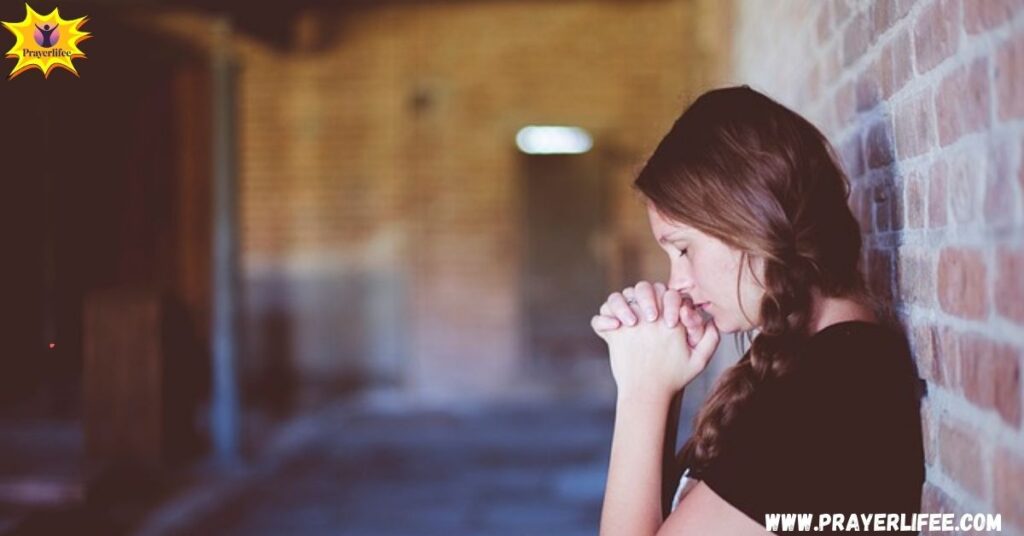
x=45 y=42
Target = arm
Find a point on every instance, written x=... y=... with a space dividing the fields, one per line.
x=702 y=511
x=632 y=499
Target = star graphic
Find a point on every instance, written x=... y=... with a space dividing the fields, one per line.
x=31 y=54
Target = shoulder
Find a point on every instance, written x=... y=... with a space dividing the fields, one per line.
x=856 y=350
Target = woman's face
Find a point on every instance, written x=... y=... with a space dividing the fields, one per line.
x=706 y=269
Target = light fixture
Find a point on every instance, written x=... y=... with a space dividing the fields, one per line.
x=548 y=139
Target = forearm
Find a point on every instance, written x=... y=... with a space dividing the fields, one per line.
x=632 y=498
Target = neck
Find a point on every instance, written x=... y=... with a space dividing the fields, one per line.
x=828 y=310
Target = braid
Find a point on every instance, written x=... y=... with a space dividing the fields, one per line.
x=785 y=315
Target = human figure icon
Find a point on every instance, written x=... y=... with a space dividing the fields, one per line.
x=47 y=32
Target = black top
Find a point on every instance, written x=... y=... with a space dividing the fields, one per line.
x=839 y=433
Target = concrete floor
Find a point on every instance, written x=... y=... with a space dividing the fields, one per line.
x=386 y=467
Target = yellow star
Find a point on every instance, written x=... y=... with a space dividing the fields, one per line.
x=45 y=42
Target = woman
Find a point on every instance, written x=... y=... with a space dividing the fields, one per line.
x=821 y=415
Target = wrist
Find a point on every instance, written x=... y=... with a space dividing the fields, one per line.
x=644 y=397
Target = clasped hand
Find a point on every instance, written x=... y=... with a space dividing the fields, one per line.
x=657 y=342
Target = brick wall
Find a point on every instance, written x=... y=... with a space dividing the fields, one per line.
x=378 y=175
x=924 y=100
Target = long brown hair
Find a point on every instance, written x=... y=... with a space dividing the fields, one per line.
x=745 y=169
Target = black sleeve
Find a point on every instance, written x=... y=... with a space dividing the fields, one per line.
x=841 y=434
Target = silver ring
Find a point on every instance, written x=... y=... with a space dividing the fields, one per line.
x=631 y=301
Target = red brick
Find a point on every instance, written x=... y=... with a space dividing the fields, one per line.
x=855 y=39
x=965 y=178
x=869 y=91
x=1000 y=200
x=916 y=201
x=917 y=276
x=990 y=376
x=1009 y=284
x=840 y=12
x=982 y=15
x=960 y=455
x=962 y=283
x=927 y=435
x=936 y=34
x=937 y=198
x=902 y=68
x=924 y=351
x=824 y=23
x=896 y=206
x=878 y=145
x=1008 y=485
x=915 y=130
x=846 y=104
x=962 y=102
x=883 y=14
x=1009 y=77
x=880 y=202
x=947 y=356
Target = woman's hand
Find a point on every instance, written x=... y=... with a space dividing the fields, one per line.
x=625 y=308
x=653 y=357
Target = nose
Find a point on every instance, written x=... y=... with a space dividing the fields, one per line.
x=680 y=278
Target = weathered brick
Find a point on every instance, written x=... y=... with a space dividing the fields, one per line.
x=936 y=34
x=916 y=201
x=965 y=178
x=982 y=15
x=902 y=66
x=846 y=103
x=869 y=91
x=917 y=276
x=960 y=455
x=855 y=39
x=878 y=145
x=990 y=376
x=883 y=14
x=1009 y=77
x=963 y=289
x=824 y=23
x=915 y=129
x=841 y=12
x=1008 y=485
x=1009 y=283
x=937 y=198
x=928 y=431
x=962 y=102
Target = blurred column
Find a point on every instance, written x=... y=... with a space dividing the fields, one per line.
x=224 y=410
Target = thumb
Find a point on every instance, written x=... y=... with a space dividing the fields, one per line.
x=707 y=345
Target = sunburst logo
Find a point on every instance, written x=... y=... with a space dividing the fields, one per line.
x=46 y=42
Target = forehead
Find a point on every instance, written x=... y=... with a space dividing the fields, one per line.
x=665 y=229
